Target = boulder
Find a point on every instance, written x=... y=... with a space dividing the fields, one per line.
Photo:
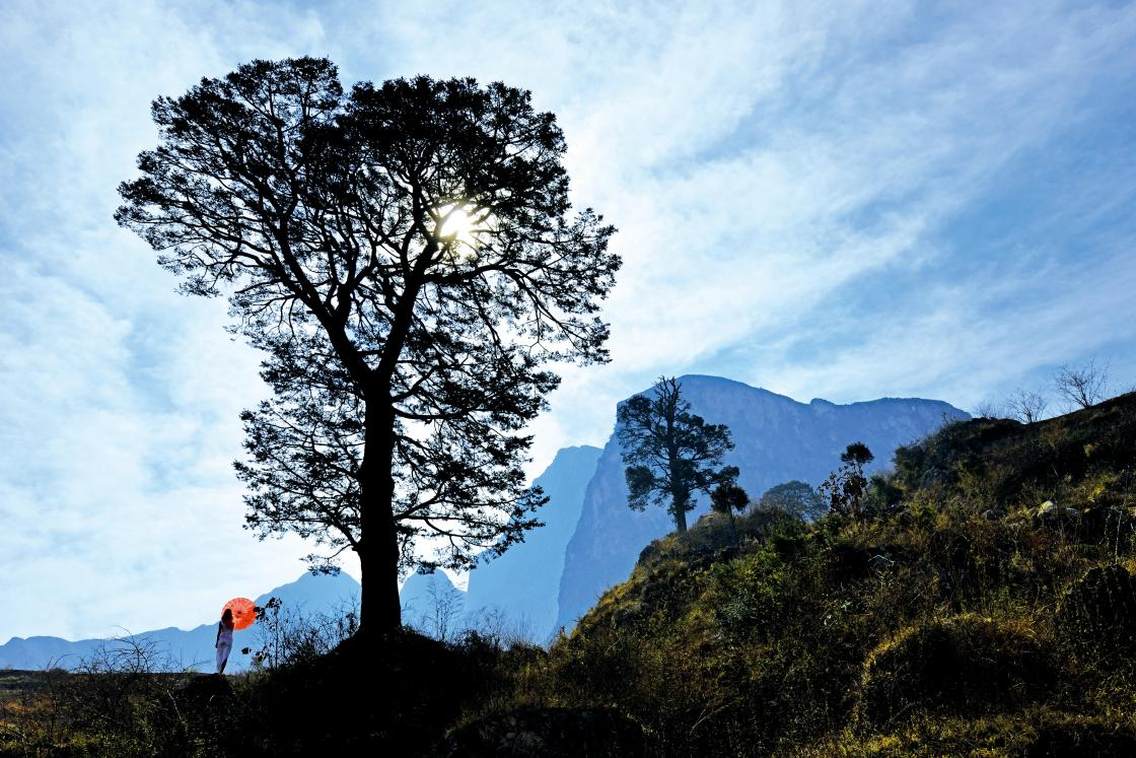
x=1051 y=515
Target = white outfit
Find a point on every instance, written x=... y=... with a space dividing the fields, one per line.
x=224 y=646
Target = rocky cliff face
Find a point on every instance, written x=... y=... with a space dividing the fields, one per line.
x=778 y=439
x=520 y=587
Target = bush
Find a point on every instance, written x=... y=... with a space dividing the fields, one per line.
x=116 y=703
x=1085 y=738
x=1099 y=611
x=1034 y=733
x=965 y=664
x=286 y=635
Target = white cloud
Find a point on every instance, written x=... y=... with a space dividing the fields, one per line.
x=118 y=414
x=763 y=162
x=734 y=251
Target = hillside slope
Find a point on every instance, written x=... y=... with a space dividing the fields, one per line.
x=778 y=439
x=986 y=606
x=981 y=603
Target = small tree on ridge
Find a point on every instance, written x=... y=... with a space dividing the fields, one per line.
x=670 y=453
x=845 y=488
x=1082 y=386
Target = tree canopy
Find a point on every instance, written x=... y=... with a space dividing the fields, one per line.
x=407 y=257
x=728 y=497
x=795 y=497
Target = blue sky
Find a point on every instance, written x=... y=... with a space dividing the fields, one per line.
x=828 y=199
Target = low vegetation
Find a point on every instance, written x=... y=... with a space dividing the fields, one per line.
x=979 y=600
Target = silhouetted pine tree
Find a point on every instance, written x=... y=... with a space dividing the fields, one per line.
x=407 y=256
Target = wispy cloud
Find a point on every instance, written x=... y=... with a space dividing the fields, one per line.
x=835 y=199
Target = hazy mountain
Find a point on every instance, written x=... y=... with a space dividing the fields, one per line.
x=178 y=649
x=590 y=539
x=432 y=604
x=778 y=439
x=521 y=586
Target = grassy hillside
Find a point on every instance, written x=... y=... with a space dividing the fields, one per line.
x=985 y=606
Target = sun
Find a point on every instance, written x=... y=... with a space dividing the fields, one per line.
x=463 y=227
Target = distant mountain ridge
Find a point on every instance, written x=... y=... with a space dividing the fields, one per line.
x=591 y=538
x=192 y=649
x=521 y=586
x=778 y=439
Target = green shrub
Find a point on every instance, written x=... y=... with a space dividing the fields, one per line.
x=963 y=664
x=1099 y=611
x=1034 y=733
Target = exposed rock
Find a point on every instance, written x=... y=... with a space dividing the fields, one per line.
x=1049 y=514
x=880 y=563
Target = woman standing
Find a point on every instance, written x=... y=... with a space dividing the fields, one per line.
x=224 y=643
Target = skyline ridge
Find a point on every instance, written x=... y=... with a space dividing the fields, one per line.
x=563 y=453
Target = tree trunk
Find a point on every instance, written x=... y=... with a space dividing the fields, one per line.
x=678 y=492
x=380 y=610
x=679 y=507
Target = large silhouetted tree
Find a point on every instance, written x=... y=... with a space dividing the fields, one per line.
x=407 y=256
x=670 y=453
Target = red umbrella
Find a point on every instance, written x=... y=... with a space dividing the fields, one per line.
x=244 y=612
